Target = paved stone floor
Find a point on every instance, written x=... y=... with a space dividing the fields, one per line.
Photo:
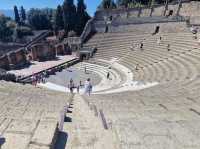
x=39 y=66
x=29 y=116
x=63 y=78
x=84 y=130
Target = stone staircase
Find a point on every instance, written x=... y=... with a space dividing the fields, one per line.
x=29 y=116
x=84 y=129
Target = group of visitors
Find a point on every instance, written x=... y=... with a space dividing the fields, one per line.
x=87 y=86
x=38 y=78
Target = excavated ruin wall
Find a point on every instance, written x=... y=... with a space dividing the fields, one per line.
x=187 y=9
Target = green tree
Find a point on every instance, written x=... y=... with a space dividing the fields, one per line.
x=5 y=31
x=23 y=14
x=82 y=16
x=40 y=19
x=16 y=12
x=69 y=15
x=59 y=23
x=107 y=4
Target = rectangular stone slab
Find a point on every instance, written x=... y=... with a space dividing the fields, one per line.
x=32 y=146
x=15 y=141
x=45 y=133
x=21 y=126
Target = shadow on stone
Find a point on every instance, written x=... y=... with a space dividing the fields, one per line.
x=69 y=111
x=61 y=140
x=68 y=119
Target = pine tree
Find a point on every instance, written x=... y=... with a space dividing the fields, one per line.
x=69 y=15
x=17 y=18
x=107 y=4
x=82 y=16
x=23 y=14
x=59 y=24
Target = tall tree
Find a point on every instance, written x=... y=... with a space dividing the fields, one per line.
x=17 y=18
x=39 y=19
x=59 y=23
x=5 y=31
x=82 y=16
x=69 y=15
x=125 y=3
x=107 y=4
x=23 y=14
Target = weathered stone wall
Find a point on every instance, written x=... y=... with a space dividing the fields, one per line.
x=17 y=59
x=145 y=27
x=150 y=27
x=43 y=51
x=13 y=60
x=187 y=9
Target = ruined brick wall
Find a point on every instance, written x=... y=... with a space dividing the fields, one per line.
x=43 y=51
x=21 y=57
x=4 y=62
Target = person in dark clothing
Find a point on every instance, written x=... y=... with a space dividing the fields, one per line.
x=71 y=86
x=141 y=46
x=108 y=75
x=168 y=47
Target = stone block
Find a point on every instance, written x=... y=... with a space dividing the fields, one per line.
x=15 y=141
x=32 y=146
x=45 y=133
x=21 y=126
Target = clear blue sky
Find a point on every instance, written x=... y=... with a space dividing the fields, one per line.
x=8 y=4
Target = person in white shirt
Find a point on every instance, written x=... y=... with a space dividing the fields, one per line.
x=88 y=87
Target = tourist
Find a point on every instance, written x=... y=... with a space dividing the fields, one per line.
x=88 y=87
x=193 y=30
x=168 y=47
x=71 y=86
x=159 y=40
x=80 y=84
x=141 y=46
x=195 y=36
x=136 y=67
x=108 y=75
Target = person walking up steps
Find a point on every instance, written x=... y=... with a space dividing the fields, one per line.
x=141 y=46
x=88 y=87
x=159 y=40
x=71 y=86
